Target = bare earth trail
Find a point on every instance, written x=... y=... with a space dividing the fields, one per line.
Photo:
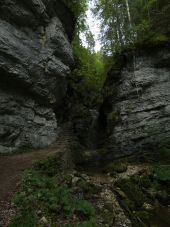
x=12 y=167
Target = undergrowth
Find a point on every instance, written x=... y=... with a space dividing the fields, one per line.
x=42 y=198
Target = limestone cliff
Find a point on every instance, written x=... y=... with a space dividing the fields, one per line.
x=137 y=110
x=35 y=60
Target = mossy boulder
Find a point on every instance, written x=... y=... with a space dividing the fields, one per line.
x=145 y=181
x=133 y=192
x=116 y=167
x=143 y=215
x=162 y=174
x=107 y=217
x=88 y=188
x=163 y=197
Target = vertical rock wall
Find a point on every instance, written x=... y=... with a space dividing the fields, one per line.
x=141 y=103
x=35 y=60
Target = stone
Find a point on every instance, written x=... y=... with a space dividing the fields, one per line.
x=122 y=195
x=44 y=221
x=75 y=180
x=19 y=128
x=35 y=61
x=39 y=120
x=148 y=206
x=85 y=177
x=121 y=168
x=108 y=206
x=145 y=181
x=142 y=99
x=114 y=168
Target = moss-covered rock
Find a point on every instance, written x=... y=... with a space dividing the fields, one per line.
x=88 y=188
x=162 y=174
x=133 y=192
x=116 y=167
x=107 y=216
x=145 y=181
x=143 y=215
x=163 y=197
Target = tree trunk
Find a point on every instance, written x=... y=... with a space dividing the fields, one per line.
x=128 y=12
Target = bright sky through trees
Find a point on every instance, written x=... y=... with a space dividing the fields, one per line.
x=94 y=26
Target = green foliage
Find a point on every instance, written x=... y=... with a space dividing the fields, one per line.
x=87 y=79
x=133 y=191
x=164 y=151
x=143 y=215
x=127 y=22
x=116 y=167
x=85 y=208
x=49 y=167
x=145 y=193
x=78 y=7
x=88 y=188
x=41 y=193
x=24 y=219
x=162 y=173
x=90 y=223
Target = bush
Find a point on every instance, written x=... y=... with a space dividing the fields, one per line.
x=24 y=219
x=42 y=193
x=162 y=173
x=85 y=208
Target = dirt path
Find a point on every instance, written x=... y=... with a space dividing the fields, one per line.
x=12 y=167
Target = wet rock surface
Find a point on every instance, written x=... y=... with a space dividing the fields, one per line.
x=35 y=60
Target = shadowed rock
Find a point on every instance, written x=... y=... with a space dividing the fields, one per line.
x=142 y=102
x=35 y=60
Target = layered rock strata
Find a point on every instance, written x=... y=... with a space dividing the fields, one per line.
x=141 y=102
x=35 y=61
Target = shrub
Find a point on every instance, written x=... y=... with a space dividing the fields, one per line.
x=42 y=193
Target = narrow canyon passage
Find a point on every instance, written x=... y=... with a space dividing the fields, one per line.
x=84 y=113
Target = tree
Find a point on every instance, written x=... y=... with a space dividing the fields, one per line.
x=87 y=78
x=126 y=22
x=90 y=41
x=128 y=12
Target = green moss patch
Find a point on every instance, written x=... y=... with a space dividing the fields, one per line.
x=162 y=173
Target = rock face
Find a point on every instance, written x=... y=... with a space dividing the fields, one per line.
x=85 y=129
x=141 y=102
x=35 y=60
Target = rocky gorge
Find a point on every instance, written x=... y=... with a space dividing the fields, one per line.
x=35 y=61
x=136 y=110
x=100 y=161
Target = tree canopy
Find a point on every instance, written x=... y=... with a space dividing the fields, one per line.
x=125 y=22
